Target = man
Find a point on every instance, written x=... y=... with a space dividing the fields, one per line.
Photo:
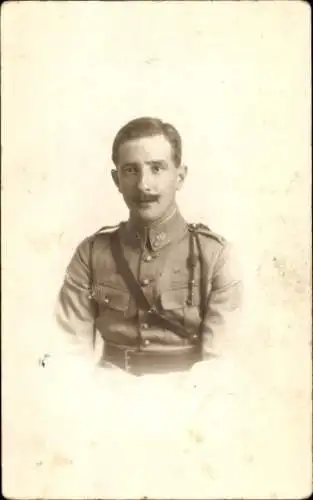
x=160 y=292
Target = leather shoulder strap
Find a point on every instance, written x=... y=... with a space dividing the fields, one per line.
x=124 y=270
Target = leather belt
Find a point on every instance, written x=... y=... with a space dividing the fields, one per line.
x=144 y=362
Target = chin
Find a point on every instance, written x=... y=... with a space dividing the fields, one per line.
x=147 y=215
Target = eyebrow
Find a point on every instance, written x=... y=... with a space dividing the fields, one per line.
x=161 y=162
x=130 y=164
x=150 y=163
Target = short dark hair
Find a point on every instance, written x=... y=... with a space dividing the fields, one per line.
x=147 y=127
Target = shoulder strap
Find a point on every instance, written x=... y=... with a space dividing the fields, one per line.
x=106 y=229
x=206 y=231
x=195 y=241
x=124 y=270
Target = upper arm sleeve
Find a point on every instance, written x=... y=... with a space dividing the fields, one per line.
x=75 y=311
x=222 y=314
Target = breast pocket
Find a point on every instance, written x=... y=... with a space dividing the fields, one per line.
x=178 y=306
x=111 y=298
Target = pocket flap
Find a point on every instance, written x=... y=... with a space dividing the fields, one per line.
x=113 y=298
x=178 y=298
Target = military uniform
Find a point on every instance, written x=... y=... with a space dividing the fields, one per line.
x=160 y=296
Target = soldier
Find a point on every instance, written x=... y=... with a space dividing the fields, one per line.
x=159 y=291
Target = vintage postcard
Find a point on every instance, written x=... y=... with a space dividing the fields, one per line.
x=156 y=249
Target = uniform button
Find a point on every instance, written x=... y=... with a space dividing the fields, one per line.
x=144 y=282
x=146 y=342
x=144 y=326
x=161 y=236
x=147 y=258
x=152 y=310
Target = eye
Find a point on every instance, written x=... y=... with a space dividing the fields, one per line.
x=130 y=169
x=156 y=167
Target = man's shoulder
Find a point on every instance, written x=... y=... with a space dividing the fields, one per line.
x=206 y=234
x=99 y=237
x=106 y=230
x=214 y=247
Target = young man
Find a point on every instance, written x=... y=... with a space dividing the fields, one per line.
x=160 y=292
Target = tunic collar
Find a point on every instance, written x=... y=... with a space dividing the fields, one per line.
x=159 y=233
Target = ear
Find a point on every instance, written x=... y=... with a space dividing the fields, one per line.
x=182 y=172
x=115 y=178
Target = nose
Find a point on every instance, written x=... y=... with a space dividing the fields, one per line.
x=144 y=181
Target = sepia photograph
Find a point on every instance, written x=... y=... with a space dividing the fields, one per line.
x=156 y=250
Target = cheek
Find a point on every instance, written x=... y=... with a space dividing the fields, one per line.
x=126 y=186
x=170 y=186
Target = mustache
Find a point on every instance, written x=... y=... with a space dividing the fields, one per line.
x=145 y=197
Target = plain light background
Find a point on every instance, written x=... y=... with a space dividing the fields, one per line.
x=234 y=78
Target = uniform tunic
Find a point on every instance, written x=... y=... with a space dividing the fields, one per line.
x=202 y=300
x=114 y=425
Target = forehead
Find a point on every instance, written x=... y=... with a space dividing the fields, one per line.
x=145 y=149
